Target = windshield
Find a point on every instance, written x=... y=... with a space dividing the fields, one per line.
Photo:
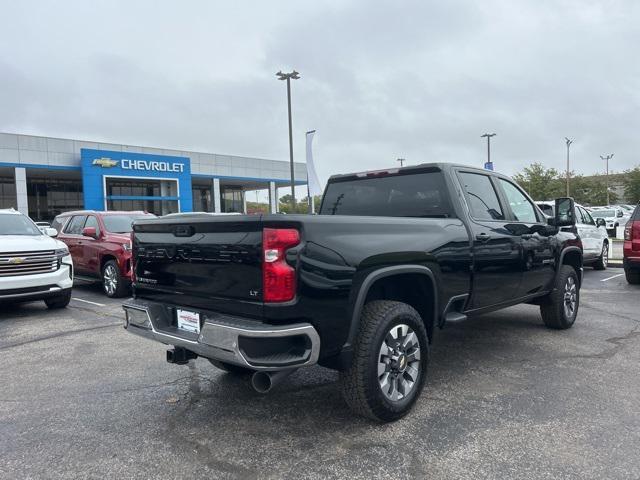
x=414 y=195
x=604 y=213
x=120 y=223
x=18 y=225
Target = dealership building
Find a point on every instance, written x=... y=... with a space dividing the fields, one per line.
x=44 y=176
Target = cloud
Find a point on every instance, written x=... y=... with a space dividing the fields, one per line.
x=380 y=80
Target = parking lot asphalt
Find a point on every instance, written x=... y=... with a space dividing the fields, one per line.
x=505 y=398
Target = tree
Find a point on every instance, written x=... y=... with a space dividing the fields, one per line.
x=541 y=183
x=285 y=205
x=632 y=185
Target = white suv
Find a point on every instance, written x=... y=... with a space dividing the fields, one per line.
x=33 y=266
x=593 y=233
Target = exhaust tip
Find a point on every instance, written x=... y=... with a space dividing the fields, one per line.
x=261 y=382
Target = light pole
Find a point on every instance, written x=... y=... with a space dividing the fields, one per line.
x=607 y=158
x=401 y=160
x=568 y=142
x=488 y=136
x=288 y=76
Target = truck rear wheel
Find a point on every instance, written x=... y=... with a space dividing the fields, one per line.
x=389 y=364
x=560 y=308
x=633 y=276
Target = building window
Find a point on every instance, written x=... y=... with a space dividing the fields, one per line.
x=157 y=207
x=49 y=197
x=8 y=193
x=129 y=194
x=232 y=200
x=202 y=198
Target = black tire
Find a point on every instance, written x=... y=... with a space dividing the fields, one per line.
x=633 y=276
x=361 y=383
x=554 y=313
x=230 y=367
x=603 y=259
x=114 y=286
x=60 y=301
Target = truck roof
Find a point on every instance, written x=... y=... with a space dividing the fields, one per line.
x=411 y=169
x=104 y=212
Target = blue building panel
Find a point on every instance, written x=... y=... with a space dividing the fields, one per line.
x=96 y=164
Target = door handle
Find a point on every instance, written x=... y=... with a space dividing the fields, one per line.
x=483 y=237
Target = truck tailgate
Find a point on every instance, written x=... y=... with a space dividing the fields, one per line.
x=200 y=261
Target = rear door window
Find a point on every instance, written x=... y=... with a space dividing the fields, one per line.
x=481 y=196
x=75 y=225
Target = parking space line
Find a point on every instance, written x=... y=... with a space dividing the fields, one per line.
x=615 y=276
x=87 y=301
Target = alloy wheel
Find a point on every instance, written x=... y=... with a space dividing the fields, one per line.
x=570 y=298
x=110 y=279
x=399 y=362
x=605 y=254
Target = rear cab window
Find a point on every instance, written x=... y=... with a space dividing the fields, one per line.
x=404 y=194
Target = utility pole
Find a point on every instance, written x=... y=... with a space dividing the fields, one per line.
x=488 y=165
x=401 y=160
x=607 y=158
x=288 y=76
x=568 y=142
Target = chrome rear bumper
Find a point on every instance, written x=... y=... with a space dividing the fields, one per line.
x=243 y=342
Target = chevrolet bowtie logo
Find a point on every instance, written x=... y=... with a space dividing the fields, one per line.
x=105 y=162
x=16 y=260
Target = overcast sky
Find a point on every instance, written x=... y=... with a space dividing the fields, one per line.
x=380 y=80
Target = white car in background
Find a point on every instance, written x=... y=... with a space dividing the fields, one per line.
x=595 y=241
x=33 y=265
x=43 y=226
x=614 y=217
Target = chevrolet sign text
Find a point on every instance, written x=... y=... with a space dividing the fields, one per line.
x=151 y=165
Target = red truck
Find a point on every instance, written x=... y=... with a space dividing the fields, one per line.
x=100 y=245
x=631 y=249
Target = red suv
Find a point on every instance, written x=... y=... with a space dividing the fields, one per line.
x=100 y=245
x=631 y=260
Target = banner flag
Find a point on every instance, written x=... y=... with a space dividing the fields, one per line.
x=312 y=176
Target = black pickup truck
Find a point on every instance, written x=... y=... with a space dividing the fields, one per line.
x=361 y=287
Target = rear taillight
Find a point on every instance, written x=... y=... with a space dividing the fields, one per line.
x=628 y=231
x=278 y=277
x=133 y=275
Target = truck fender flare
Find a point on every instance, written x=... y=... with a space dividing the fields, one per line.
x=561 y=261
x=377 y=275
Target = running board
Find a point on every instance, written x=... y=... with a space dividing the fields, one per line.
x=86 y=279
x=454 y=317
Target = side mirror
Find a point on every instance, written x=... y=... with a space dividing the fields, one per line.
x=565 y=212
x=620 y=214
x=89 y=232
x=52 y=232
x=600 y=222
